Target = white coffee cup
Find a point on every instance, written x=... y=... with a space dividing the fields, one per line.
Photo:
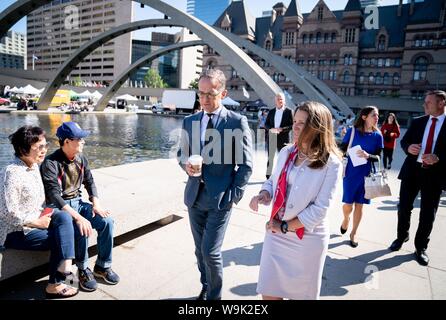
x=196 y=162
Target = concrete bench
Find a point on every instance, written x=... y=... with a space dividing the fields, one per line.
x=137 y=194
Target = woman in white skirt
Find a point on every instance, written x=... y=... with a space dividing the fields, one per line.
x=301 y=189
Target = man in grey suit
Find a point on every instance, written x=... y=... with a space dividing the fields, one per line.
x=223 y=139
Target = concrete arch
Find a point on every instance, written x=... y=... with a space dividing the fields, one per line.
x=87 y=48
x=244 y=65
x=119 y=81
x=22 y=7
x=311 y=86
x=16 y=11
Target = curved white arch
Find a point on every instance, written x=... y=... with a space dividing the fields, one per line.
x=119 y=81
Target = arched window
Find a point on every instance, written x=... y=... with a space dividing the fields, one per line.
x=346 y=77
x=326 y=37
x=382 y=43
x=211 y=65
x=420 y=68
x=268 y=45
x=386 y=78
x=379 y=78
x=320 y=13
x=348 y=59
x=396 y=78
x=210 y=50
x=312 y=40
x=234 y=74
x=333 y=37
x=318 y=37
x=304 y=38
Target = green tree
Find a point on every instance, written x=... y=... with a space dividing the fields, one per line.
x=194 y=84
x=154 y=80
x=77 y=81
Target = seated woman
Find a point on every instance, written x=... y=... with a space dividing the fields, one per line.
x=302 y=188
x=24 y=224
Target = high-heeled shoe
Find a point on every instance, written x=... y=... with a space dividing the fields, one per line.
x=353 y=244
x=343 y=230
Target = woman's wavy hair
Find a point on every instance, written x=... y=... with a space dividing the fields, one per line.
x=395 y=120
x=24 y=138
x=360 y=122
x=318 y=134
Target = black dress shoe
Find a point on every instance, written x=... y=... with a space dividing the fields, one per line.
x=353 y=244
x=203 y=295
x=343 y=230
x=422 y=257
x=397 y=244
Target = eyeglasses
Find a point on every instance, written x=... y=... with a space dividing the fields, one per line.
x=209 y=95
x=41 y=147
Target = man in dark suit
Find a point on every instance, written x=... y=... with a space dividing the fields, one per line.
x=279 y=123
x=223 y=139
x=424 y=170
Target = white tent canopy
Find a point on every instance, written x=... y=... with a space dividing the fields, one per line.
x=16 y=90
x=127 y=97
x=229 y=102
x=86 y=93
x=29 y=89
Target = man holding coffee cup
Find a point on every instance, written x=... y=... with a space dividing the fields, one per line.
x=215 y=151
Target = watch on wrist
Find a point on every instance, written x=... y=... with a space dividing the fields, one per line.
x=284 y=226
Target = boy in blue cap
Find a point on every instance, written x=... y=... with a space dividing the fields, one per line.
x=63 y=173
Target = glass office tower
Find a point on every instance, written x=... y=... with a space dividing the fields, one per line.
x=207 y=10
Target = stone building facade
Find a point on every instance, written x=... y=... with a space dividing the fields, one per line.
x=403 y=57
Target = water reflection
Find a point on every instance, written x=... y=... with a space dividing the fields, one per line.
x=115 y=139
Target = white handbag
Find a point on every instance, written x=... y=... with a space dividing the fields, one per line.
x=376 y=184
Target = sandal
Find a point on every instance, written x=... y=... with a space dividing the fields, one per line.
x=64 y=293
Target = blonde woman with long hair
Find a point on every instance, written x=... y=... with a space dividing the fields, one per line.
x=301 y=190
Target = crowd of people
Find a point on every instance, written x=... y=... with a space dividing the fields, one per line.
x=41 y=208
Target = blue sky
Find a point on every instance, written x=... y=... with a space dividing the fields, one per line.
x=254 y=6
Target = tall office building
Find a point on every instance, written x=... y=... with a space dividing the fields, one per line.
x=58 y=29
x=191 y=59
x=166 y=65
x=206 y=10
x=13 y=50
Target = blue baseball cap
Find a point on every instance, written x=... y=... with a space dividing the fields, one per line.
x=71 y=130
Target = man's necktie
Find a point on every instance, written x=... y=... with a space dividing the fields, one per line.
x=209 y=126
x=430 y=138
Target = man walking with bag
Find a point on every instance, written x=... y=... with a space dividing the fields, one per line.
x=424 y=170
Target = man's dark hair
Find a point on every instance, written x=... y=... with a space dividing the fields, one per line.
x=24 y=138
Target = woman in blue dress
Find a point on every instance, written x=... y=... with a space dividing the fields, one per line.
x=368 y=136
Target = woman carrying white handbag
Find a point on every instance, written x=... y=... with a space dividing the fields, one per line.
x=370 y=140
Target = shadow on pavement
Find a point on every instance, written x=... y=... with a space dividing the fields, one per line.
x=246 y=256
x=341 y=273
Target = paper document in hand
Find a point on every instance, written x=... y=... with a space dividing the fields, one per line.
x=356 y=160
